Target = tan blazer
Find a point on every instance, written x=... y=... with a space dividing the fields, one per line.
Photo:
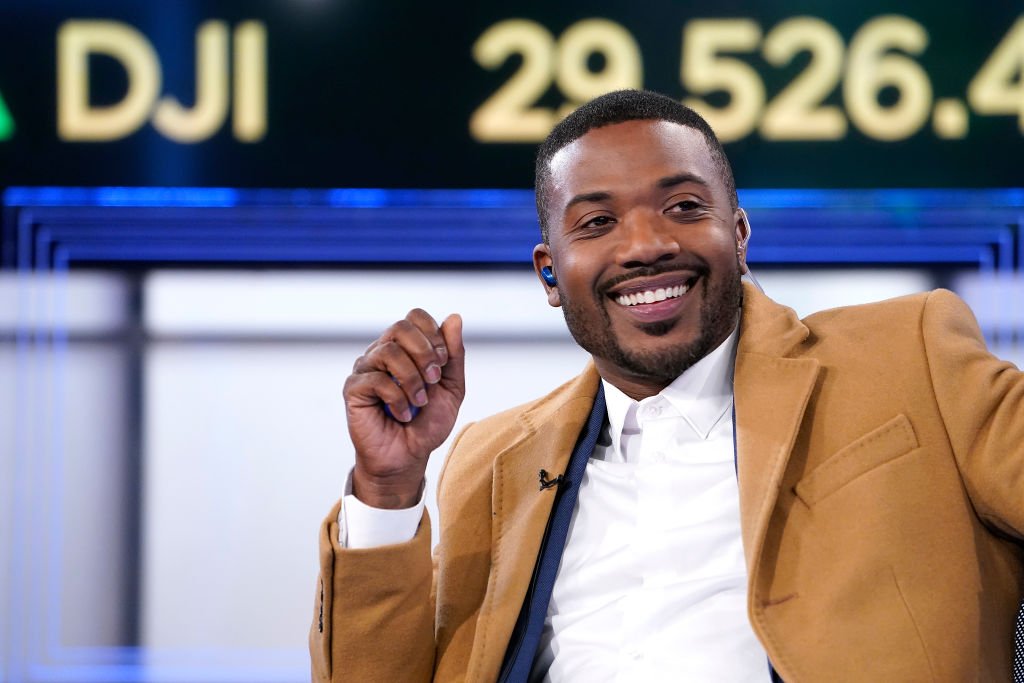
x=881 y=477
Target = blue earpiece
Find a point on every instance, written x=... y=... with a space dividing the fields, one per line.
x=548 y=276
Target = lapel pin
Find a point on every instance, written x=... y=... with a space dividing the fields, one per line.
x=546 y=483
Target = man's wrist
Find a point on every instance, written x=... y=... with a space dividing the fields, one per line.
x=391 y=493
x=361 y=526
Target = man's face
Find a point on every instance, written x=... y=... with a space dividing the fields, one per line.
x=643 y=243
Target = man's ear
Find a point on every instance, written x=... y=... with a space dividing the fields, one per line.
x=742 y=228
x=545 y=269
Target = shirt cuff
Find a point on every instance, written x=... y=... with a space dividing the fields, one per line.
x=362 y=526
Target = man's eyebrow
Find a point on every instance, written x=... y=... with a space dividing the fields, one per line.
x=663 y=183
x=679 y=179
x=588 y=197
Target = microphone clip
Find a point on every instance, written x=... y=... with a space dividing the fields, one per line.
x=546 y=483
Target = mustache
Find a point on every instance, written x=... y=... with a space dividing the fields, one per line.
x=699 y=267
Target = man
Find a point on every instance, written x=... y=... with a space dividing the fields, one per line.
x=840 y=496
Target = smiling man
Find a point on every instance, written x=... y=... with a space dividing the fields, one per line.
x=726 y=493
x=641 y=224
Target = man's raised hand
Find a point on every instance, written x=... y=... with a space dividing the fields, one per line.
x=415 y=363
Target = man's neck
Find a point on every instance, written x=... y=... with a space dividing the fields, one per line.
x=639 y=387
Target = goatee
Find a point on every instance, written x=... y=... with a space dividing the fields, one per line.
x=719 y=310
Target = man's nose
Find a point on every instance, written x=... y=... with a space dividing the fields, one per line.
x=645 y=240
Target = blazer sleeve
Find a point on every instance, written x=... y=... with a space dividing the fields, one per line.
x=981 y=399
x=374 y=616
x=374 y=613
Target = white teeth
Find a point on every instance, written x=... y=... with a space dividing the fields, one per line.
x=651 y=296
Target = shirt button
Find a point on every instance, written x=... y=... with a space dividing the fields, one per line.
x=660 y=456
x=652 y=411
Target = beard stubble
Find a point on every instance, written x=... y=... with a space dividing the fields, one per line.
x=719 y=309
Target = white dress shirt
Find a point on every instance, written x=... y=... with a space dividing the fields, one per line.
x=652 y=584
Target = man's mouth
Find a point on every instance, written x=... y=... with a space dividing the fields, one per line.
x=650 y=296
x=654 y=293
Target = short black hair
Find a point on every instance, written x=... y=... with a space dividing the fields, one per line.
x=618 y=107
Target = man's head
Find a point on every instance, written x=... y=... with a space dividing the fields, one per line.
x=618 y=107
x=643 y=235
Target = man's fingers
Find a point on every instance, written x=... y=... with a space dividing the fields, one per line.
x=421 y=338
x=391 y=360
x=427 y=325
x=374 y=388
x=400 y=366
x=455 y=368
x=418 y=337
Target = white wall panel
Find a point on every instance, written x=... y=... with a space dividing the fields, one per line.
x=247 y=447
x=89 y=497
x=810 y=291
x=246 y=452
x=8 y=401
x=63 y=521
x=76 y=302
x=346 y=302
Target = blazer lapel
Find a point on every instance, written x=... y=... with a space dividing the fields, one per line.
x=771 y=393
x=521 y=509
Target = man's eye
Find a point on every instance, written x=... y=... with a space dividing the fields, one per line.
x=687 y=205
x=598 y=222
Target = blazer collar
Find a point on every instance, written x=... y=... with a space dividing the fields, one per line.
x=772 y=387
x=767 y=327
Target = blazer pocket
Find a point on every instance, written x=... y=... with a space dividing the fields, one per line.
x=879 y=446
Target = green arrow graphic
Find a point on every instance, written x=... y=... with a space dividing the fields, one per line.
x=6 y=121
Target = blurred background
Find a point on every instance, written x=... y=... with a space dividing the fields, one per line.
x=211 y=208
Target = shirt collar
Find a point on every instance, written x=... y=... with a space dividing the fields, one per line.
x=701 y=395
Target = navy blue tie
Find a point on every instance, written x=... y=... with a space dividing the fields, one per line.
x=1018 y=647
